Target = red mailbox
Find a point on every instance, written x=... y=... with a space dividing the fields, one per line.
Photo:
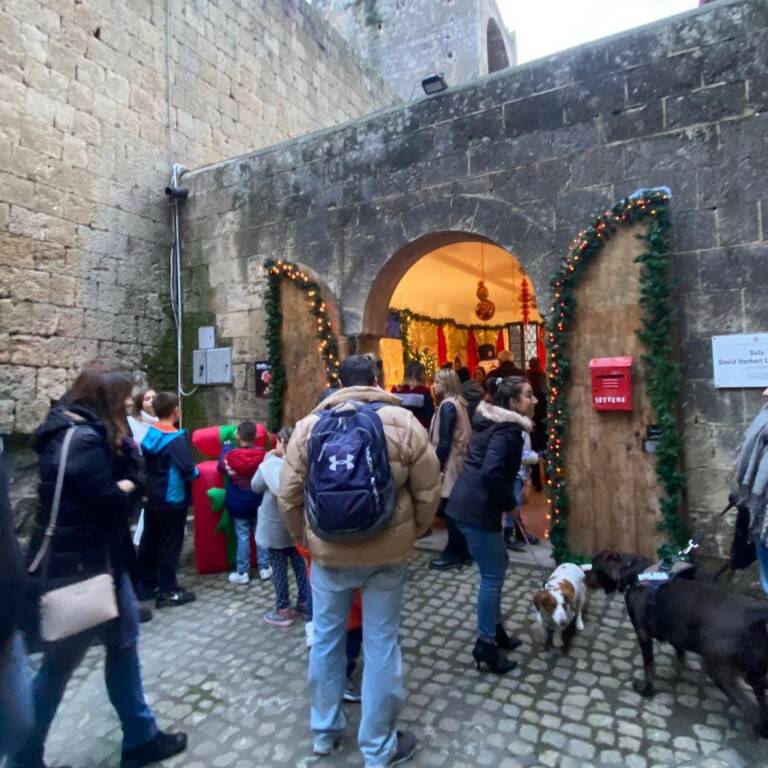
x=611 y=383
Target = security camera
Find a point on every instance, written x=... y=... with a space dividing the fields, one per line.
x=179 y=193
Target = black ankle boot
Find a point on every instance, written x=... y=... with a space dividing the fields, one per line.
x=488 y=654
x=161 y=747
x=504 y=641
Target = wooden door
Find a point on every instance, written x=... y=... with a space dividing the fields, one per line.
x=305 y=370
x=612 y=488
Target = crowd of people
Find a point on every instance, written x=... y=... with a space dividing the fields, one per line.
x=341 y=498
x=109 y=457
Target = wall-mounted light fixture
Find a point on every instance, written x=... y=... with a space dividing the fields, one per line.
x=433 y=84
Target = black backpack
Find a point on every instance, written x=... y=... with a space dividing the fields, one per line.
x=349 y=493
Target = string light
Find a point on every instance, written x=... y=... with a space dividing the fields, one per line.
x=584 y=246
x=328 y=344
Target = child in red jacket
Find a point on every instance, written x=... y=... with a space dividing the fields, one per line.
x=240 y=462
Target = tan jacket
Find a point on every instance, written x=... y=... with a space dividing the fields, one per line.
x=459 y=443
x=415 y=473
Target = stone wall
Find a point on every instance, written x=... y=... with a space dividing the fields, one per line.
x=524 y=158
x=408 y=41
x=85 y=154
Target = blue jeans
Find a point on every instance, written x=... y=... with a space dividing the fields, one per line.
x=383 y=690
x=16 y=712
x=278 y=559
x=122 y=674
x=508 y=520
x=490 y=553
x=244 y=530
x=762 y=562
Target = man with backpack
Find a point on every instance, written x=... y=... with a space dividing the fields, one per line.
x=361 y=483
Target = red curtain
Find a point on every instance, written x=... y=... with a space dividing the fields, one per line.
x=500 y=341
x=442 y=347
x=541 y=351
x=472 y=359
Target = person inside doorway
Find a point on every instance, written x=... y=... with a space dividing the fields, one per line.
x=538 y=381
x=449 y=435
x=414 y=393
x=506 y=366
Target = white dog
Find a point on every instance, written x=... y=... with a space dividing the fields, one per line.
x=560 y=601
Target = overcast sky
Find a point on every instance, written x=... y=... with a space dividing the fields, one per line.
x=546 y=26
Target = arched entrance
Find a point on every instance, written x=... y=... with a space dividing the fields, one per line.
x=424 y=305
x=436 y=278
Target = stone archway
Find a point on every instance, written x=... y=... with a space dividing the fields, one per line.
x=435 y=276
x=377 y=305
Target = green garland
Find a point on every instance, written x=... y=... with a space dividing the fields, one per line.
x=278 y=270
x=663 y=379
x=409 y=317
x=406 y=317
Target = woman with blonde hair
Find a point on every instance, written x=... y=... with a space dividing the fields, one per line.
x=449 y=434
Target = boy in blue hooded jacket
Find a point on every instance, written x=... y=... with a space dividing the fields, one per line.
x=170 y=469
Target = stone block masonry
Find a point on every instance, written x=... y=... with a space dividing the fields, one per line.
x=525 y=158
x=86 y=141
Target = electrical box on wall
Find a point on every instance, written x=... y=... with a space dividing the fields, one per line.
x=212 y=366
x=206 y=337
x=611 y=383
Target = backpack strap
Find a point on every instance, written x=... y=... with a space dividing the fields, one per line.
x=51 y=528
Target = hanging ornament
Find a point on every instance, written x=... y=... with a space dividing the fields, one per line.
x=525 y=301
x=485 y=309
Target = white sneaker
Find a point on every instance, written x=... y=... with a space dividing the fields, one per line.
x=238 y=578
x=265 y=573
x=309 y=633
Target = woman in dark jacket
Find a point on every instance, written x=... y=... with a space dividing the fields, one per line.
x=89 y=538
x=481 y=495
x=15 y=689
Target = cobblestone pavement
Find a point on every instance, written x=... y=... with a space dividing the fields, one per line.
x=237 y=685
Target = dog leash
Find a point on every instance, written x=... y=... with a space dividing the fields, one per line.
x=545 y=583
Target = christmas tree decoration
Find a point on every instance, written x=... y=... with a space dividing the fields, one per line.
x=427 y=358
x=328 y=344
x=663 y=379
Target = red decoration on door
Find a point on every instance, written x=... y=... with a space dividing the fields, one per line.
x=442 y=347
x=472 y=356
x=500 y=341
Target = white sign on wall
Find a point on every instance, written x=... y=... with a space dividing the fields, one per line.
x=740 y=360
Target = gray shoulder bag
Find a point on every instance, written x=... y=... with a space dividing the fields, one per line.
x=75 y=608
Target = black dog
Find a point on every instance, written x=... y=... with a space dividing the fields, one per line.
x=727 y=631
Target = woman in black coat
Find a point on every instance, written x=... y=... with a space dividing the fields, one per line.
x=89 y=538
x=15 y=689
x=481 y=495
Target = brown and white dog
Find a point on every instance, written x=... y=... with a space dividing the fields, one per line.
x=560 y=602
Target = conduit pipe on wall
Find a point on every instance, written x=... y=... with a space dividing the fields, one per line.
x=176 y=194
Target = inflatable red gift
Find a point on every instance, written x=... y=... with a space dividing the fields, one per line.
x=214 y=533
